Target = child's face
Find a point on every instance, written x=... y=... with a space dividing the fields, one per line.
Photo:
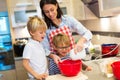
x=38 y=35
x=62 y=50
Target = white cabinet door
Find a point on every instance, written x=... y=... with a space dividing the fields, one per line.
x=109 y=8
x=81 y=12
x=22 y=6
x=21 y=72
x=77 y=9
x=20 y=3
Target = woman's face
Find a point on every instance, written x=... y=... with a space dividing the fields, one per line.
x=50 y=11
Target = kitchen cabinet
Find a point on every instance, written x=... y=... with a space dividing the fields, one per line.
x=81 y=12
x=21 y=73
x=109 y=8
x=8 y=75
x=67 y=5
x=20 y=3
x=112 y=4
x=15 y=74
x=77 y=9
x=22 y=8
x=103 y=8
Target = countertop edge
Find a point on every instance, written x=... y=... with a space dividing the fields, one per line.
x=17 y=58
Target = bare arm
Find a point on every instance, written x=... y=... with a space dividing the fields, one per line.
x=85 y=67
x=31 y=71
x=80 y=44
x=55 y=58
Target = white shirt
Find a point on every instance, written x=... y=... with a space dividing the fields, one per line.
x=36 y=54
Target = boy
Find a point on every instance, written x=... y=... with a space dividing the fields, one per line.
x=61 y=43
x=34 y=55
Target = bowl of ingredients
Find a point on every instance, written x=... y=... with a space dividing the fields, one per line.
x=70 y=67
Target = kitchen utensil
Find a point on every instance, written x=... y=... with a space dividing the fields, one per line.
x=116 y=69
x=70 y=67
x=78 y=55
x=109 y=50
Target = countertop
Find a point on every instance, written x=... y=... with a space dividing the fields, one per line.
x=17 y=58
x=95 y=74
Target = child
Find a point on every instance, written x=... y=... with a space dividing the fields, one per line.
x=61 y=43
x=34 y=55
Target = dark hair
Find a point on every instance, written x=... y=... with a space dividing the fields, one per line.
x=59 y=11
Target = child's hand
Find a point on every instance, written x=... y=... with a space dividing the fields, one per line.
x=56 y=59
x=41 y=76
x=88 y=68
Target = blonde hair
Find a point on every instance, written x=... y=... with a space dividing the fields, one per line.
x=35 y=23
x=61 y=39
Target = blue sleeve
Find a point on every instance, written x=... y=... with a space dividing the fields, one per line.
x=46 y=45
x=76 y=26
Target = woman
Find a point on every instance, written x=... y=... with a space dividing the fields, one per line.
x=59 y=23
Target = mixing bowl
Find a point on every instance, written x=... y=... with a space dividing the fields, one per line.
x=70 y=67
x=116 y=69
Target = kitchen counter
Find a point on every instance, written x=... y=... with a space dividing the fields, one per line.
x=17 y=58
x=95 y=74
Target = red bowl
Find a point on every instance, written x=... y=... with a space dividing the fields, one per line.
x=70 y=67
x=106 y=48
x=116 y=69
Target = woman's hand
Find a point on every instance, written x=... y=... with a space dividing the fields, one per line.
x=78 y=48
x=80 y=45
